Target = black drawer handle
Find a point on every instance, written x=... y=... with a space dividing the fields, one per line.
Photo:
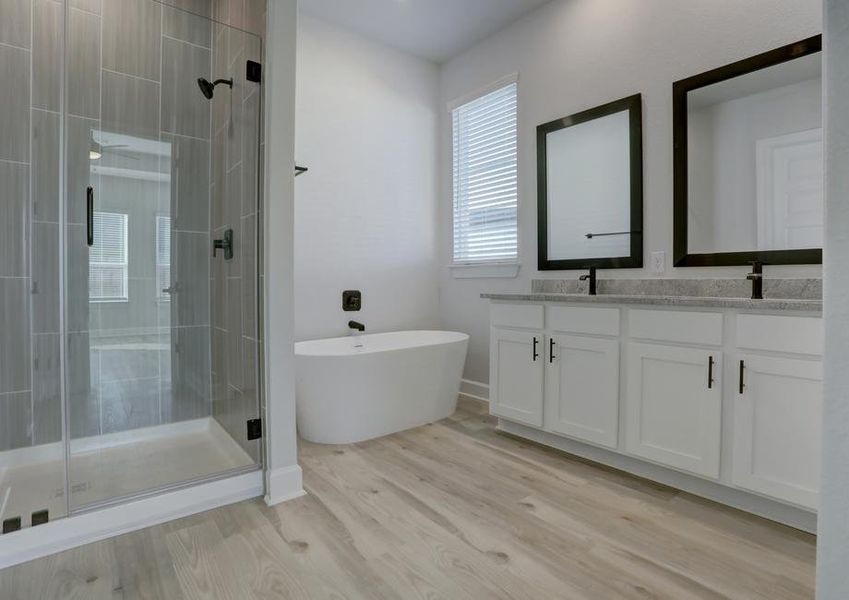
x=89 y=203
x=742 y=378
x=710 y=372
x=551 y=356
x=536 y=354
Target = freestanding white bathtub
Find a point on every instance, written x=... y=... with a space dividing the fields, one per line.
x=357 y=388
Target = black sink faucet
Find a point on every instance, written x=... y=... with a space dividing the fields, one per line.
x=358 y=326
x=757 y=279
x=591 y=277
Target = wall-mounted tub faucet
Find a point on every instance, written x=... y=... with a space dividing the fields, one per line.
x=356 y=326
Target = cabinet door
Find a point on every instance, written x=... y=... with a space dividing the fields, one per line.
x=674 y=406
x=582 y=388
x=777 y=428
x=516 y=366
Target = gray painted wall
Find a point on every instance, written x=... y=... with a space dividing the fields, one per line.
x=575 y=54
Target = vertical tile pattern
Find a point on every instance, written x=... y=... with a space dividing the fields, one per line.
x=84 y=73
x=15 y=100
x=14 y=220
x=45 y=278
x=45 y=173
x=132 y=37
x=187 y=26
x=130 y=105
x=47 y=55
x=184 y=109
x=46 y=390
x=14 y=335
x=15 y=409
x=15 y=23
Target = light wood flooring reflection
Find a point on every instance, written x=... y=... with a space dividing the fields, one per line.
x=452 y=510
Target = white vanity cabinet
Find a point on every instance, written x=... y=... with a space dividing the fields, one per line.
x=582 y=373
x=517 y=362
x=516 y=383
x=673 y=393
x=778 y=408
x=658 y=391
x=582 y=388
x=674 y=406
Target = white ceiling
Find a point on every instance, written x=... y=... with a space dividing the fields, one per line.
x=432 y=29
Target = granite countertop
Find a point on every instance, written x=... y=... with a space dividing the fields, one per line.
x=786 y=304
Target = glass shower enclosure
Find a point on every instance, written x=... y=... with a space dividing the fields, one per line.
x=129 y=335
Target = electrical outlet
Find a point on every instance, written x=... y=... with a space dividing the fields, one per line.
x=658 y=263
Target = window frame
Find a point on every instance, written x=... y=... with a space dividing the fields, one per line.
x=508 y=268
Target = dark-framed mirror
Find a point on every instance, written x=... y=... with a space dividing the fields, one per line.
x=590 y=188
x=748 y=163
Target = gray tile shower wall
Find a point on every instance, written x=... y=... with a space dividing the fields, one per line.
x=801 y=289
x=29 y=401
x=131 y=61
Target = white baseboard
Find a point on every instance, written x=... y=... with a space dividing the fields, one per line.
x=63 y=534
x=740 y=499
x=475 y=389
x=283 y=484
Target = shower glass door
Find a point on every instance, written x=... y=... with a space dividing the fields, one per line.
x=161 y=336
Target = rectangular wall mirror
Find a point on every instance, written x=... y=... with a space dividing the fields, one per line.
x=590 y=188
x=749 y=162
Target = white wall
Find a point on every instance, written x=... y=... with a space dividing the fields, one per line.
x=366 y=212
x=576 y=54
x=282 y=473
x=833 y=539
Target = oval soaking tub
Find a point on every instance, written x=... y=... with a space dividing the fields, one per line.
x=361 y=387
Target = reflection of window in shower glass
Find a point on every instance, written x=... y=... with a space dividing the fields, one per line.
x=163 y=256
x=108 y=258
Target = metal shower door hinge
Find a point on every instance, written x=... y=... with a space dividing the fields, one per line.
x=254 y=429
x=253 y=71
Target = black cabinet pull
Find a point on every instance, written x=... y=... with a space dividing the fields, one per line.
x=710 y=372
x=536 y=354
x=551 y=356
x=742 y=383
x=89 y=203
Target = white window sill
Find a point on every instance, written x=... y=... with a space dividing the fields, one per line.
x=485 y=270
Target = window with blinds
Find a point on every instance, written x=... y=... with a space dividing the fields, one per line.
x=163 y=256
x=107 y=259
x=485 y=178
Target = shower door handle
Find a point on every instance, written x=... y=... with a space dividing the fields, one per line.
x=89 y=202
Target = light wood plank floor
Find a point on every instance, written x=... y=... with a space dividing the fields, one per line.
x=452 y=510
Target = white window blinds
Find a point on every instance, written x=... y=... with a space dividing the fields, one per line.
x=163 y=256
x=485 y=178
x=107 y=275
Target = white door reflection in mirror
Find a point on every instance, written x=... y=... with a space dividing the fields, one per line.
x=790 y=191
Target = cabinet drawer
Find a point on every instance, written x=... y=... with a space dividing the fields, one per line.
x=525 y=316
x=799 y=335
x=583 y=319
x=676 y=326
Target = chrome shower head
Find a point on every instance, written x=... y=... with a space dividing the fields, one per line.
x=208 y=89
